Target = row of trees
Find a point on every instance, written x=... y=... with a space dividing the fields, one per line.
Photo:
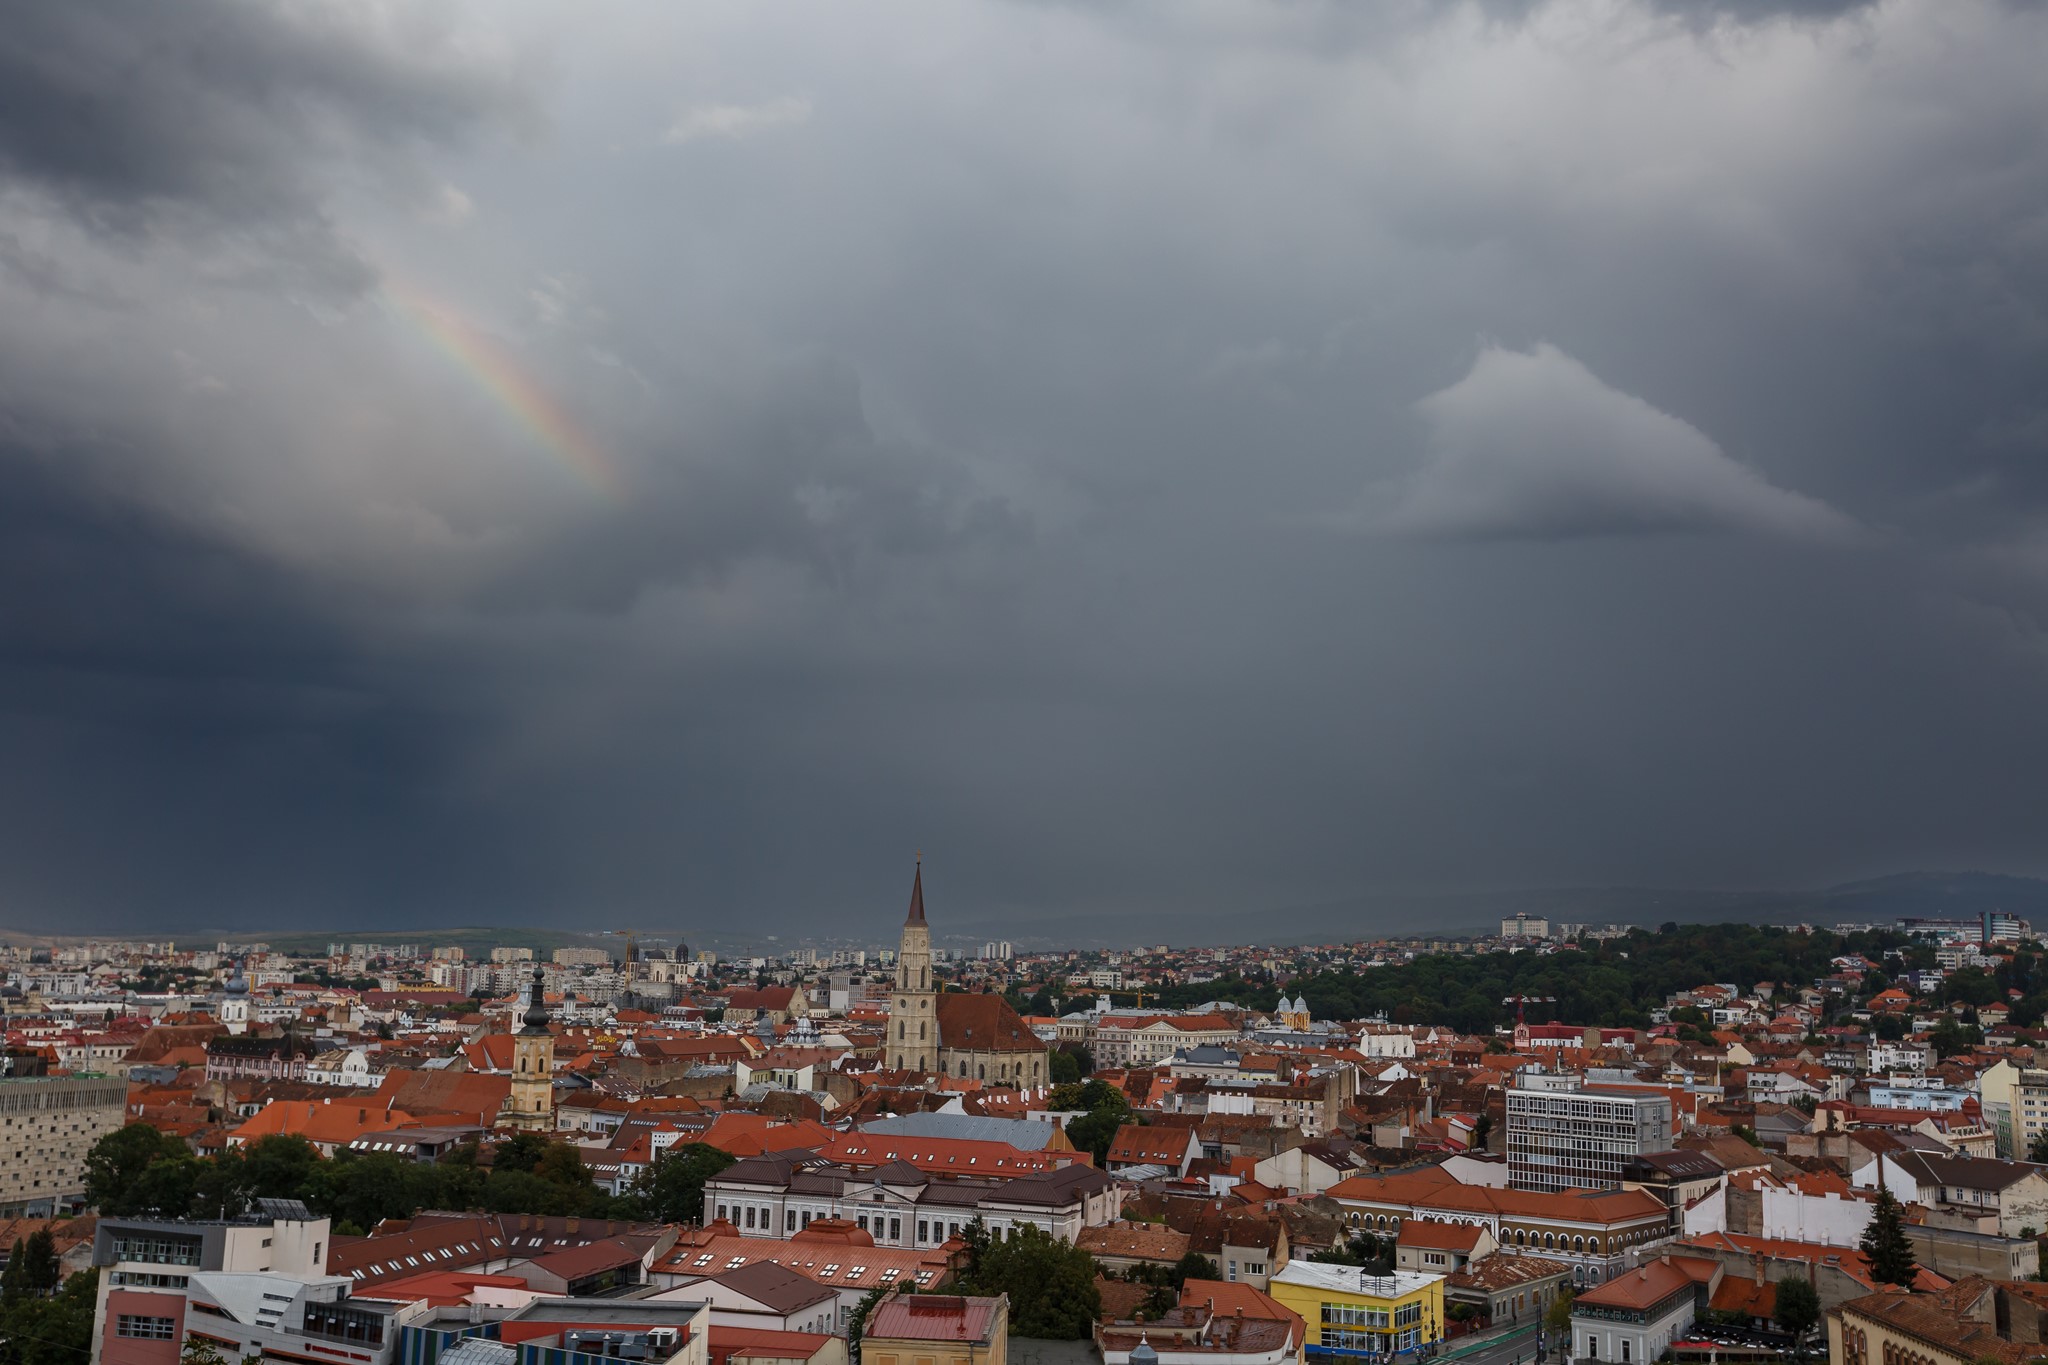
x=138 y=1170
x=43 y=1322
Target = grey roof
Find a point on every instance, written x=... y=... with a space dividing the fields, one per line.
x=761 y=1090
x=775 y=1287
x=585 y=1312
x=479 y=1351
x=1682 y=1163
x=1027 y=1135
x=1966 y=1172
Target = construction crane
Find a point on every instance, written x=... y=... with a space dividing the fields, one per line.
x=632 y=937
x=1519 y=1001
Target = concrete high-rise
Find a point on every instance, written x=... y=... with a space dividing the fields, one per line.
x=1566 y=1135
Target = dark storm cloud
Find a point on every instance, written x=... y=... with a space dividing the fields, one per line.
x=1180 y=458
x=229 y=116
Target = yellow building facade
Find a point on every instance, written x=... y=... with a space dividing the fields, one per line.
x=1352 y=1312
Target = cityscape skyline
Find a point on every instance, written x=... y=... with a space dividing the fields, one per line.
x=1013 y=682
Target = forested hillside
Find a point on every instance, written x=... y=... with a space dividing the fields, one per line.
x=1616 y=982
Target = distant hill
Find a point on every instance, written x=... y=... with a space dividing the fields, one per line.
x=1938 y=894
x=1389 y=914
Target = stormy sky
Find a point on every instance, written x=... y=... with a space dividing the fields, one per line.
x=664 y=464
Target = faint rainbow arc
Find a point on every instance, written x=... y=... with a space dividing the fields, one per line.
x=495 y=371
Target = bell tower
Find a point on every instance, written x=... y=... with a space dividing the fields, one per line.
x=913 y=1015
x=531 y=1105
x=233 y=1009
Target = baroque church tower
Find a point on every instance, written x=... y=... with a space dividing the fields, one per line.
x=531 y=1105
x=914 y=1021
x=233 y=1007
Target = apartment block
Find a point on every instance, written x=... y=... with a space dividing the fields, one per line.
x=1566 y=1135
x=47 y=1125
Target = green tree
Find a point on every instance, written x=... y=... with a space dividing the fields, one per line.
x=366 y=1188
x=2037 y=1147
x=1094 y=1131
x=857 y=1322
x=168 y=1187
x=220 y=1188
x=1798 y=1307
x=280 y=1166
x=1365 y=1249
x=1970 y=986
x=672 y=1189
x=520 y=1152
x=197 y=1352
x=1193 y=1266
x=1886 y=1244
x=562 y=1164
x=1481 y=1131
x=1063 y=1067
x=1950 y=1037
x=1558 y=1317
x=118 y=1161
x=1051 y=1283
x=1107 y=1111
x=32 y=1271
x=53 y=1330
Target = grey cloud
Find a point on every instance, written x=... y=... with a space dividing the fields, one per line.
x=232 y=116
x=975 y=445
x=1532 y=445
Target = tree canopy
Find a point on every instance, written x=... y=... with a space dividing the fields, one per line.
x=672 y=1189
x=40 y=1327
x=1886 y=1244
x=1051 y=1284
x=1797 y=1308
x=1614 y=981
x=136 y=1170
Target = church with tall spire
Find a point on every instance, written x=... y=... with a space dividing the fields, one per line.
x=531 y=1103
x=978 y=1037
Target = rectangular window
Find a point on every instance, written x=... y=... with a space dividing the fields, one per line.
x=1624 y=1350
x=789 y=1223
x=750 y=1215
x=924 y=1231
x=146 y=1329
x=895 y=1229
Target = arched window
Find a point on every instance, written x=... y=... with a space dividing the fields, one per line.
x=920 y=1030
x=981 y=1073
x=1578 y=1244
x=899 y=1032
x=1549 y=1241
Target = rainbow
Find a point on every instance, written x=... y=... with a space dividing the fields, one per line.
x=499 y=375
